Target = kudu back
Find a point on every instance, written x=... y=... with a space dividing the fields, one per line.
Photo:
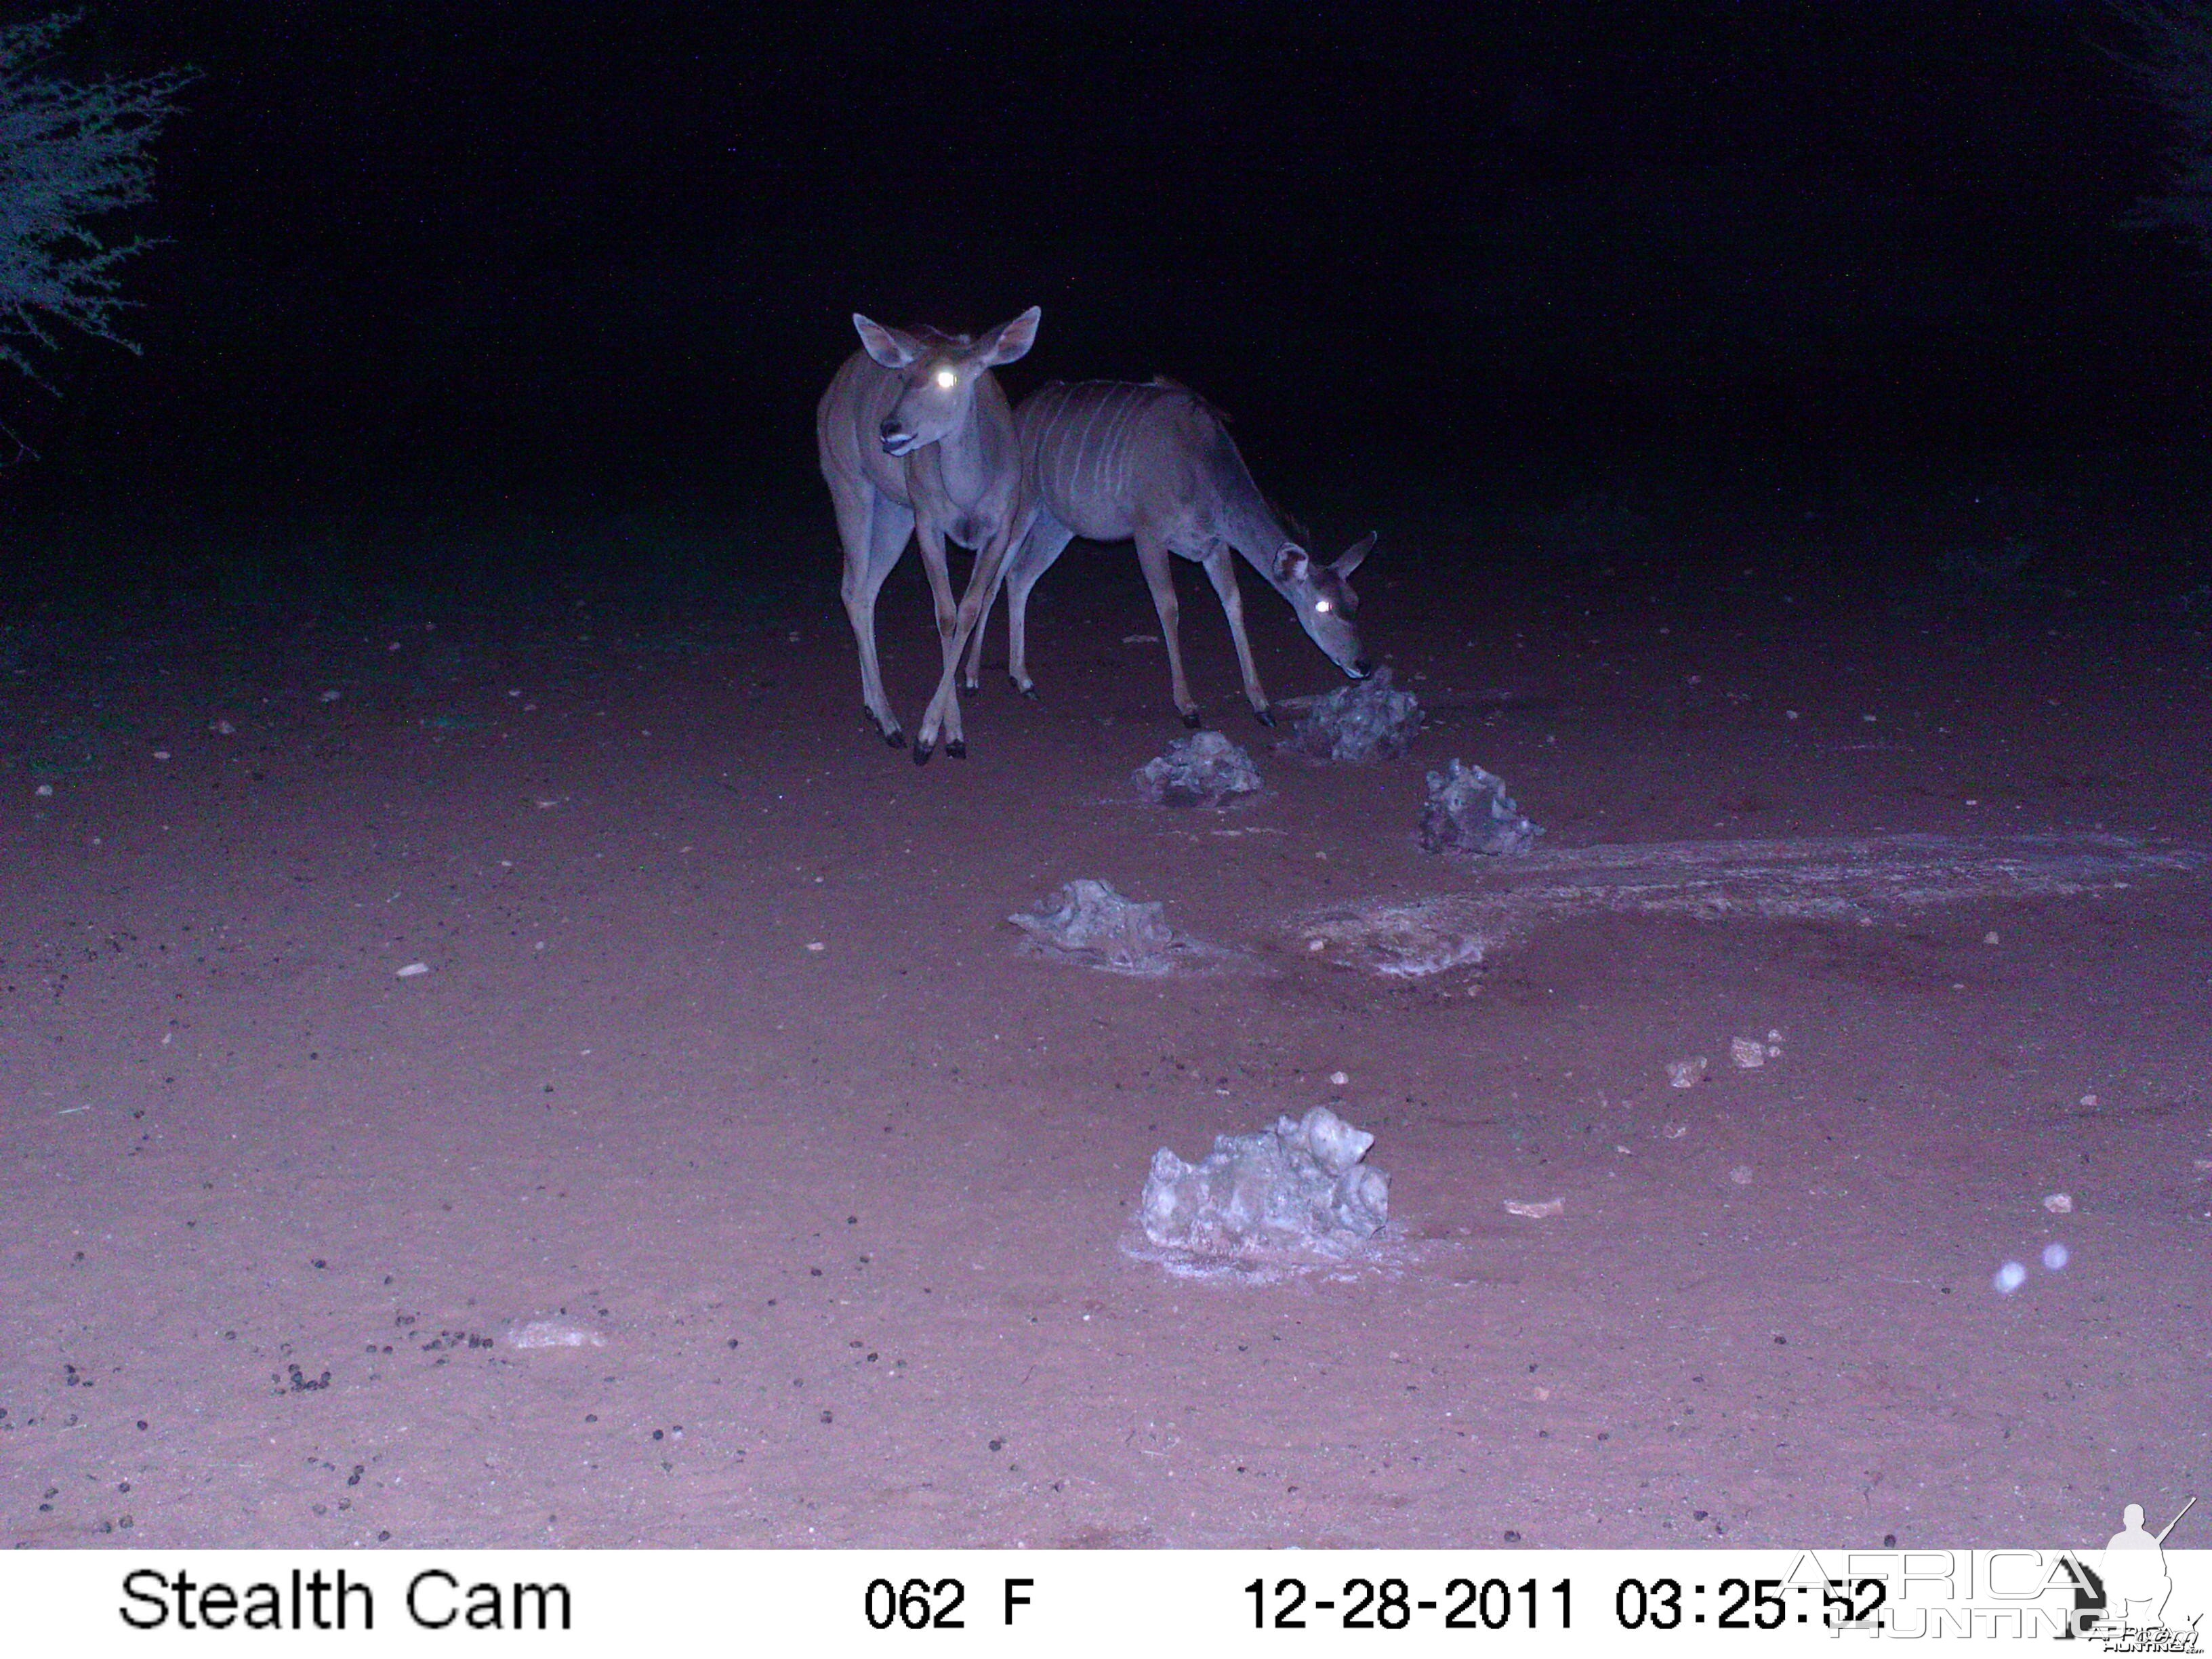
x=916 y=440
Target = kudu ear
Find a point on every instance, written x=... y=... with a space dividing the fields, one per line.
x=1014 y=339
x=1350 y=563
x=886 y=345
x=1291 y=564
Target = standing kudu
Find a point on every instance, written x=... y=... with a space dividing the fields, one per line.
x=1153 y=464
x=916 y=438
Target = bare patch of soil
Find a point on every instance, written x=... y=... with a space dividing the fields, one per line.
x=730 y=1178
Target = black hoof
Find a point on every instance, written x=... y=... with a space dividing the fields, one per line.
x=1192 y=720
x=1028 y=692
x=958 y=749
x=972 y=689
x=1265 y=716
x=921 y=755
x=897 y=739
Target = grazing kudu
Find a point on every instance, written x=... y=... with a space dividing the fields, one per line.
x=916 y=438
x=1153 y=464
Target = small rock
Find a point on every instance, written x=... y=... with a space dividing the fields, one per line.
x=2059 y=1203
x=1535 y=1211
x=1749 y=1053
x=1742 y=1174
x=413 y=970
x=555 y=1333
x=1685 y=1073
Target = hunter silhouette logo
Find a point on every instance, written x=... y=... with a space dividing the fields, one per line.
x=2136 y=1580
x=2133 y=1584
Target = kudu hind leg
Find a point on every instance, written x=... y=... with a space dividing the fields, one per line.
x=1221 y=570
x=875 y=532
x=1039 y=553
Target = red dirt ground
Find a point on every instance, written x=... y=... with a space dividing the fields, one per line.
x=849 y=1221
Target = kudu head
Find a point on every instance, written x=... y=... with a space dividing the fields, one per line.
x=1321 y=595
x=938 y=374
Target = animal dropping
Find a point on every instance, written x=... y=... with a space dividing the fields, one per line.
x=1372 y=721
x=1092 y=925
x=1204 y=770
x=1469 y=811
x=1302 y=1184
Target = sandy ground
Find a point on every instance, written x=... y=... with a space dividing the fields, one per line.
x=726 y=1064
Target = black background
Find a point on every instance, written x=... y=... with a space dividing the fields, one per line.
x=592 y=254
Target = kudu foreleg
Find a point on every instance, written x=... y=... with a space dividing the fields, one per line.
x=1221 y=570
x=944 y=713
x=972 y=680
x=1152 y=557
x=932 y=538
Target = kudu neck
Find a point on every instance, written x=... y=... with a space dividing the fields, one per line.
x=1249 y=525
x=967 y=456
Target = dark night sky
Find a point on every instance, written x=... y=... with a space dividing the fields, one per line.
x=545 y=246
